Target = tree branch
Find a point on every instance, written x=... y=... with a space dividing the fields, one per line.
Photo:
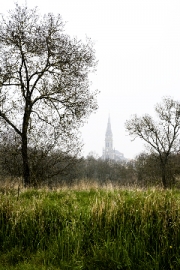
x=10 y=123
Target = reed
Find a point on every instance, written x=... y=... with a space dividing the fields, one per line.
x=97 y=228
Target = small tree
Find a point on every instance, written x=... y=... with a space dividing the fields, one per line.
x=10 y=155
x=148 y=169
x=44 y=86
x=162 y=136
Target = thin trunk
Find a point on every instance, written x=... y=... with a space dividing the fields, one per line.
x=164 y=176
x=164 y=182
x=26 y=171
x=164 y=162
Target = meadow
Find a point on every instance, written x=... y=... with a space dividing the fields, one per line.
x=89 y=228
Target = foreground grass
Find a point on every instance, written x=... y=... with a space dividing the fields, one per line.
x=90 y=229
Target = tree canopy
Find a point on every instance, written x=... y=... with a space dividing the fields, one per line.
x=44 y=84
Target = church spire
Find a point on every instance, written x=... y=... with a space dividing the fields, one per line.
x=108 y=130
x=108 y=151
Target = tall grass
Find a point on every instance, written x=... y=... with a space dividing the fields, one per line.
x=90 y=229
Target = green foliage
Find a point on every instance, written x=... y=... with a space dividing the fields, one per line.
x=92 y=229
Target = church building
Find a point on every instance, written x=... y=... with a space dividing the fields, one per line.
x=109 y=152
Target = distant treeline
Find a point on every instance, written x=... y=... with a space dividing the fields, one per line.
x=56 y=168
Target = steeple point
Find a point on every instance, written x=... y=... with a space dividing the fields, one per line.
x=108 y=130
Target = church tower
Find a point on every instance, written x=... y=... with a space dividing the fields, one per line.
x=108 y=152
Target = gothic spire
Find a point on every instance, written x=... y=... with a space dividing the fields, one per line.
x=108 y=130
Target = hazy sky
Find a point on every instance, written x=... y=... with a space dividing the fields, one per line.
x=137 y=43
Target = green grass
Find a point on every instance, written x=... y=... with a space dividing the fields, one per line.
x=90 y=229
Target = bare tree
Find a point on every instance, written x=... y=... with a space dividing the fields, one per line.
x=44 y=85
x=162 y=137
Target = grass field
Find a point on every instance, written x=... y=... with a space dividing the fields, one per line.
x=89 y=229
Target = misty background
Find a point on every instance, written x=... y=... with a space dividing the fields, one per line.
x=137 y=46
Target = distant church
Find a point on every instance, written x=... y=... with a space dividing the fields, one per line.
x=108 y=152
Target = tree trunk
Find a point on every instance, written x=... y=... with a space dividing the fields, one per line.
x=26 y=171
x=164 y=176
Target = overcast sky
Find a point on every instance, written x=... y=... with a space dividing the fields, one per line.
x=137 y=44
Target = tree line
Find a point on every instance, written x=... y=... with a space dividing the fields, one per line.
x=57 y=168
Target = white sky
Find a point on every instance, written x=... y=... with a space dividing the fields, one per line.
x=137 y=44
